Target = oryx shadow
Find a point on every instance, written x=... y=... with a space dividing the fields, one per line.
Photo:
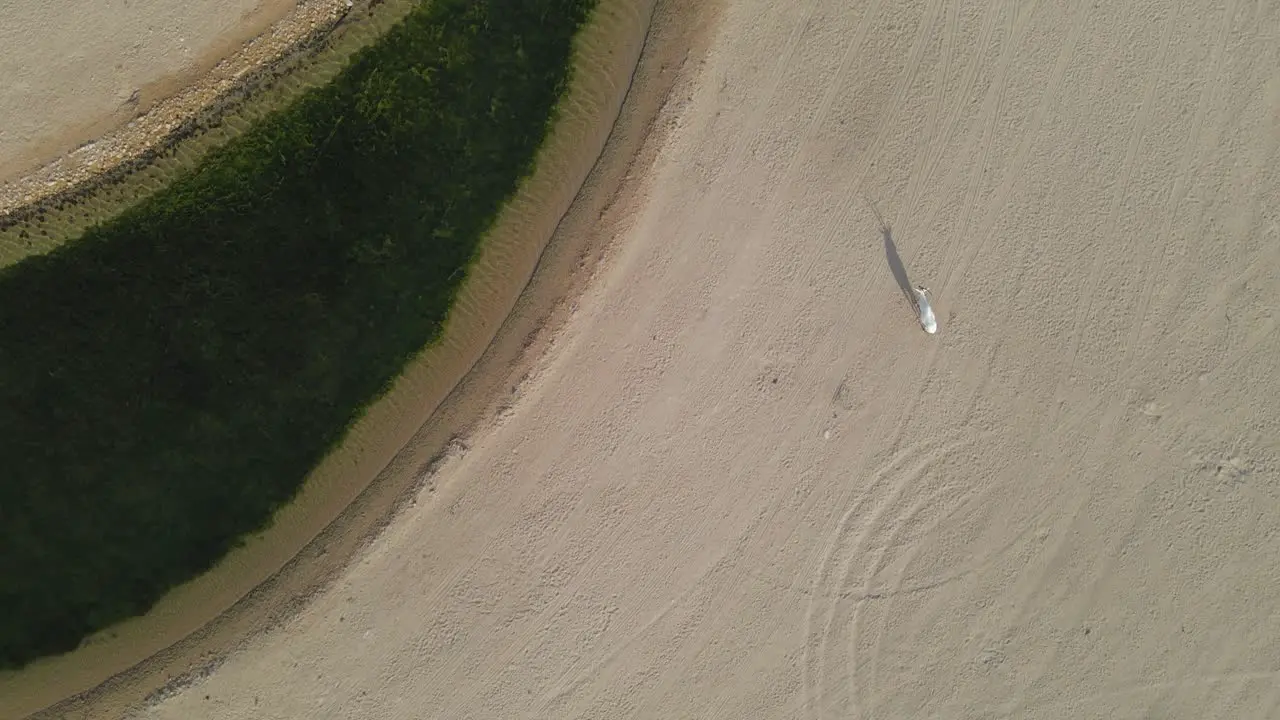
x=895 y=260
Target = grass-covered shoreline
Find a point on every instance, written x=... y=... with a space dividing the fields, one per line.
x=169 y=379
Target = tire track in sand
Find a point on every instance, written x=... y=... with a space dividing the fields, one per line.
x=958 y=258
x=880 y=493
x=1138 y=131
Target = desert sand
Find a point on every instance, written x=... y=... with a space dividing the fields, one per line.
x=740 y=482
x=74 y=70
x=90 y=85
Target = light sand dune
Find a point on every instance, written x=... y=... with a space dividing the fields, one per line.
x=742 y=483
x=74 y=70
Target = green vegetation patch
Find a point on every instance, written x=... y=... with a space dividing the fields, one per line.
x=169 y=379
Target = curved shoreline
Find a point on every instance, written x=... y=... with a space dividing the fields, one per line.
x=206 y=615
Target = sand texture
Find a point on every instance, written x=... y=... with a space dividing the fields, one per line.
x=73 y=69
x=89 y=85
x=738 y=480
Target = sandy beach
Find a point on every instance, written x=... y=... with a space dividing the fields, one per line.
x=737 y=480
x=88 y=86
